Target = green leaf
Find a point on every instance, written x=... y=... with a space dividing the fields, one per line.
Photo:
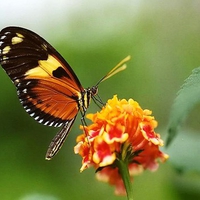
x=187 y=97
x=184 y=152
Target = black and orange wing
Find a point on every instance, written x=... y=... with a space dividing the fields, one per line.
x=46 y=85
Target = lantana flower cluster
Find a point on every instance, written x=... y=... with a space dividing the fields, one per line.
x=121 y=130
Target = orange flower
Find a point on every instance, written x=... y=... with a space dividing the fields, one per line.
x=121 y=130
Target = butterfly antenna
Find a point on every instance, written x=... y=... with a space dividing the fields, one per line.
x=118 y=68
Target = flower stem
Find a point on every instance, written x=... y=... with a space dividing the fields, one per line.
x=123 y=169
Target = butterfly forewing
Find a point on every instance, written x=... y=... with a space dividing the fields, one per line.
x=46 y=85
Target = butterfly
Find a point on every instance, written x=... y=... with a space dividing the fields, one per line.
x=47 y=87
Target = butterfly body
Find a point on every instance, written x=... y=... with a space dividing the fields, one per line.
x=47 y=87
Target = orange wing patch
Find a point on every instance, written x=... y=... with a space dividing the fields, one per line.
x=54 y=99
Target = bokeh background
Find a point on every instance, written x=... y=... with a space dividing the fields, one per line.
x=93 y=36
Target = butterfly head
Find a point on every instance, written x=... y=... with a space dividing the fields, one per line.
x=94 y=90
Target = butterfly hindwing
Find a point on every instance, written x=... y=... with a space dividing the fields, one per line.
x=46 y=85
x=59 y=139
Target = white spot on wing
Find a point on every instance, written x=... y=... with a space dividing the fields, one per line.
x=2 y=37
x=29 y=82
x=28 y=109
x=46 y=123
x=56 y=124
x=6 y=33
x=24 y=90
x=40 y=121
x=32 y=114
x=36 y=118
x=59 y=125
x=17 y=83
x=51 y=124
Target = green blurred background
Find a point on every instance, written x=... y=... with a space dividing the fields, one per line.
x=93 y=36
